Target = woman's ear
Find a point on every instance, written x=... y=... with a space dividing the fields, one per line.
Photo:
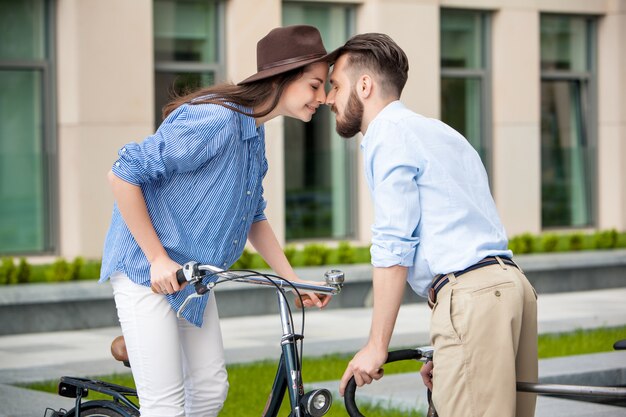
x=364 y=86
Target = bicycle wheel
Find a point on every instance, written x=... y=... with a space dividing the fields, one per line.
x=394 y=356
x=103 y=409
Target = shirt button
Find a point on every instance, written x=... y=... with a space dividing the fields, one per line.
x=224 y=264
x=235 y=241
x=123 y=149
x=243 y=218
x=248 y=192
x=117 y=164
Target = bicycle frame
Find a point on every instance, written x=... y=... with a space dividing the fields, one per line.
x=608 y=394
x=288 y=377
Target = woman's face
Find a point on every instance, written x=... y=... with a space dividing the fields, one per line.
x=303 y=96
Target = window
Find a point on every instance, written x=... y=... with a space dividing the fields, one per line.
x=319 y=164
x=465 y=82
x=188 y=52
x=26 y=132
x=567 y=120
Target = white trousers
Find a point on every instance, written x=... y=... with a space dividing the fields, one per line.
x=178 y=368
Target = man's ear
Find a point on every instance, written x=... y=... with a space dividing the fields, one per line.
x=364 y=86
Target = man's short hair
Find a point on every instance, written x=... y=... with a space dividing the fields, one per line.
x=380 y=54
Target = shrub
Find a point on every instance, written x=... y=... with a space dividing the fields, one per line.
x=244 y=261
x=90 y=270
x=76 y=267
x=257 y=262
x=8 y=273
x=23 y=272
x=524 y=243
x=345 y=253
x=606 y=239
x=315 y=254
x=290 y=253
x=60 y=270
x=576 y=241
x=549 y=242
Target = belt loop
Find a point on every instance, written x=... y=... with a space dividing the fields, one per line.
x=451 y=278
x=501 y=263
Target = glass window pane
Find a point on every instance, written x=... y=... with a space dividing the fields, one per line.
x=461 y=105
x=565 y=156
x=318 y=163
x=461 y=39
x=186 y=31
x=167 y=84
x=22 y=185
x=564 y=42
x=22 y=27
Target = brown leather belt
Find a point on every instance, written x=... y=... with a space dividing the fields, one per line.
x=442 y=279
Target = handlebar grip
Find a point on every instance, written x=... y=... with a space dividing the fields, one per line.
x=180 y=276
x=394 y=356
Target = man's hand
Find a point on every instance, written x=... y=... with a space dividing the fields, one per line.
x=427 y=374
x=366 y=366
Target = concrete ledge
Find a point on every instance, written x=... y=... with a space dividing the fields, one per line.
x=70 y=306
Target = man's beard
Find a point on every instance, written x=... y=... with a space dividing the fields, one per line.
x=352 y=118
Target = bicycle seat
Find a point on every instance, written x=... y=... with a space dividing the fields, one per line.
x=620 y=345
x=118 y=350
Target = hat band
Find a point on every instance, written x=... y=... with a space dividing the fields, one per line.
x=289 y=61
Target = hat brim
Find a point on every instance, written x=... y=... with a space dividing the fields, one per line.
x=270 y=72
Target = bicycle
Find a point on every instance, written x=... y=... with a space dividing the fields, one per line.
x=607 y=395
x=288 y=378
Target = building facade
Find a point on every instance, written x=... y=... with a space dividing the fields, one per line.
x=538 y=87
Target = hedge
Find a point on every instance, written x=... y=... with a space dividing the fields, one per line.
x=19 y=271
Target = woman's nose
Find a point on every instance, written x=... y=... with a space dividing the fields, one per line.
x=321 y=96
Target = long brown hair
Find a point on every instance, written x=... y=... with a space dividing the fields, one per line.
x=266 y=92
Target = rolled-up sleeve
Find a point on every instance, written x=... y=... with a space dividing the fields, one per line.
x=393 y=173
x=183 y=142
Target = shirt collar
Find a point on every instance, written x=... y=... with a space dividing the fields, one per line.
x=388 y=109
x=249 y=129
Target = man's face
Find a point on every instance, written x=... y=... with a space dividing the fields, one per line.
x=344 y=101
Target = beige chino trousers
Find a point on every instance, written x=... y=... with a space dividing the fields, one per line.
x=484 y=331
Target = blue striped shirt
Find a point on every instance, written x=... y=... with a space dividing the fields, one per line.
x=433 y=209
x=201 y=176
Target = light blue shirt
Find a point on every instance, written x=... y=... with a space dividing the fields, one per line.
x=201 y=175
x=434 y=212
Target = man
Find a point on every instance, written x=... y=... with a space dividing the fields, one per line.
x=435 y=226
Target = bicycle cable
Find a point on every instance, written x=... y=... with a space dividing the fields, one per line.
x=270 y=278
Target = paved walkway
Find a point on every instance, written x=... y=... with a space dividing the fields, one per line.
x=33 y=357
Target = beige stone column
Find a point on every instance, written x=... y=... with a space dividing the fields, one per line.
x=516 y=119
x=612 y=117
x=105 y=98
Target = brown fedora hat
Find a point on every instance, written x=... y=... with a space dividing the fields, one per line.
x=285 y=49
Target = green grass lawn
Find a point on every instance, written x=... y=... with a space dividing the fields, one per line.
x=250 y=383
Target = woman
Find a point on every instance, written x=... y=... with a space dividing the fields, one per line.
x=193 y=191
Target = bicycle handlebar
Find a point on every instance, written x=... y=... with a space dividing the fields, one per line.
x=424 y=353
x=193 y=271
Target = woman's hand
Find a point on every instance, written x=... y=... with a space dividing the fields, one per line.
x=163 y=275
x=310 y=299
